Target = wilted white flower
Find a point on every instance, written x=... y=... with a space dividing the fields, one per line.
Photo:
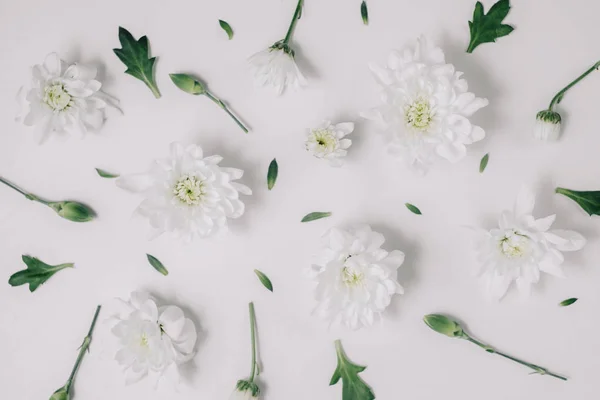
x=276 y=67
x=62 y=98
x=522 y=247
x=327 y=142
x=355 y=277
x=426 y=107
x=188 y=194
x=547 y=126
x=152 y=341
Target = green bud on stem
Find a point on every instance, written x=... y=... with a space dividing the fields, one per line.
x=444 y=325
x=73 y=211
x=188 y=84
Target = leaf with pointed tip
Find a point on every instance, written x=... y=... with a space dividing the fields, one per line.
x=413 y=209
x=568 y=302
x=315 y=215
x=264 y=279
x=135 y=55
x=364 y=12
x=104 y=174
x=227 y=28
x=589 y=201
x=353 y=387
x=36 y=274
x=484 y=162
x=157 y=265
x=272 y=174
x=486 y=28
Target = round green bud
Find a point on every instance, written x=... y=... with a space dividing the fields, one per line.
x=444 y=325
x=188 y=84
x=73 y=211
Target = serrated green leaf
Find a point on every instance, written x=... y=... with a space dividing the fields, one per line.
x=364 y=12
x=157 y=265
x=486 y=28
x=104 y=174
x=272 y=174
x=413 y=209
x=568 y=302
x=227 y=28
x=484 y=162
x=135 y=55
x=36 y=274
x=315 y=215
x=353 y=387
x=264 y=279
x=589 y=201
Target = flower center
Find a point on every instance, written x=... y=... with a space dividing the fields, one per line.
x=351 y=277
x=189 y=190
x=419 y=114
x=57 y=97
x=144 y=340
x=514 y=245
x=325 y=139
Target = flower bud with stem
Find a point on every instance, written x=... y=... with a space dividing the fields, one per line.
x=247 y=389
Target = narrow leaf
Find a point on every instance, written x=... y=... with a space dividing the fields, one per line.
x=315 y=215
x=568 y=302
x=227 y=28
x=105 y=174
x=589 y=201
x=486 y=28
x=36 y=274
x=264 y=280
x=484 y=162
x=155 y=262
x=353 y=387
x=272 y=174
x=364 y=12
x=413 y=209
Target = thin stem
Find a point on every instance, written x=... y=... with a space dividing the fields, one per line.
x=15 y=187
x=84 y=347
x=297 y=14
x=218 y=102
x=253 y=340
x=556 y=99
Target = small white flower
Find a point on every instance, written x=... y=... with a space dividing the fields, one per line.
x=522 y=247
x=355 y=278
x=547 y=126
x=63 y=98
x=276 y=67
x=327 y=142
x=152 y=341
x=245 y=390
x=426 y=107
x=188 y=194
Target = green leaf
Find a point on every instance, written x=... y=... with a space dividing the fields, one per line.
x=589 y=201
x=484 y=162
x=353 y=387
x=135 y=55
x=155 y=262
x=315 y=215
x=188 y=84
x=272 y=174
x=105 y=174
x=37 y=273
x=413 y=209
x=264 y=280
x=364 y=13
x=227 y=28
x=486 y=28
x=568 y=302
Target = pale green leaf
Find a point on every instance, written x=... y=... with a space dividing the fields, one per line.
x=413 y=209
x=227 y=28
x=264 y=279
x=157 y=265
x=37 y=273
x=105 y=174
x=484 y=162
x=315 y=215
x=568 y=302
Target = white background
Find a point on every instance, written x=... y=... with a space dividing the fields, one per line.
x=213 y=280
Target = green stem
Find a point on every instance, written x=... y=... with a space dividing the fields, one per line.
x=471 y=47
x=29 y=196
x=297 y=14
x=84 y=346
x=556 y=99
x=253 y=340
x=220 y=103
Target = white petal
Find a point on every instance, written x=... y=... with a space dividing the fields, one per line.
x=135 y=182
x=172 y=320
x=565 y=240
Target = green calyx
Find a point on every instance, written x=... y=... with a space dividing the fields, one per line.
x=61 y=394
x=73 y=211
x=285 y=47
x=444 y=325
x=549 y=116
x=246 y=386
x=188 y=84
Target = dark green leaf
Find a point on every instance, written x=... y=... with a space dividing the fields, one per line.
x=135 y=55
x=37 y=273
x=272 y=174
x=568 y=302
x=589 y=201
x=484 y=162
x=364 y=13
x=264 y=280
x=315 y=215
x=227 y=28
x=413 y=209
x=155 y=262
x=105 y=174
x=486 y=28
x=353 y=387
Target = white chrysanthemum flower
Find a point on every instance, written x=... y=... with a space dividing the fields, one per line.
x=63 y=98
x=522 y=247
x=276 y=67
x=152 y=341
x=327 y=142
x=188 y=194
x=426 y=107
x=547 y=126
x=355 y=277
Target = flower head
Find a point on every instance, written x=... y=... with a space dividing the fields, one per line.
x=276 y=67
x=327 y=142
x=188 y=194
x=547 y=126
x=425 y=107
x=245 y=390
x=522 y=247
x=355 y=277
x=63 y=98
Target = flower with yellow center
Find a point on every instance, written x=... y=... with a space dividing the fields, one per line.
x=328 y=141
x=57 y=97
x=189 y=190
x=419 y=114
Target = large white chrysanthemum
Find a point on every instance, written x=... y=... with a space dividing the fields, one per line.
x=328 y=142
x=522 y=247
x=63 y=98
x=425 y=107
x=276 y=67
x=188 y=194
x=355 y=277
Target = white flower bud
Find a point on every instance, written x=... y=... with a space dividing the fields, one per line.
x=547 y=126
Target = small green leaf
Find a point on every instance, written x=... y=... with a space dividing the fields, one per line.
x=353 y=387
x=315 y=215
x=484 y=162
x=135 y=55
x=413 y=209
x=568 y=302
x=272 y=174
x=264 y=280
x=155 y=262
x=37 y=273
x=227 y=28
x=188 y=84
x=105 y=174
x=364 y=13
x=589 y=201
x=486 y=28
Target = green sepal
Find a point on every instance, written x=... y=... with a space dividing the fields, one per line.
x=37 y=273
x=247 y=386
x=61 y=394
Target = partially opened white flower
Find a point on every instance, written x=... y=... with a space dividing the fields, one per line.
x=522 y=247
x=355 y=277
x=327 y=141
x=63 y=98
x=547 y=126
x=188 y=194
x=425 y=107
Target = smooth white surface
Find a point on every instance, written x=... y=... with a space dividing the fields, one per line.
x=553 y=42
